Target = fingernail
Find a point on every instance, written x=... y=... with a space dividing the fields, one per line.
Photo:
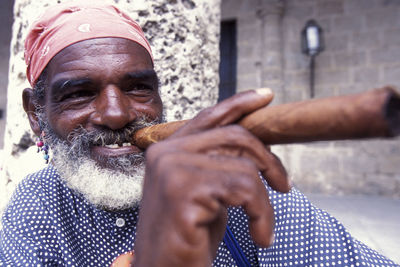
x=263 y=91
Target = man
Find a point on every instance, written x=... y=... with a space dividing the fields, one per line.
x=90 y=92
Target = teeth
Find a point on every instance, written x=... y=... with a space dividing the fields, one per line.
x=117 y=146
x=112 y=146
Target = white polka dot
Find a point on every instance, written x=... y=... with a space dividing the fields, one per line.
x=120 y=222
x=86 y=27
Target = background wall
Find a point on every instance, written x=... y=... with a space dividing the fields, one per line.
x=6 y=19
x=362 y=39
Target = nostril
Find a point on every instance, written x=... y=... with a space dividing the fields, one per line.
x=113 y=109
x=115 y=120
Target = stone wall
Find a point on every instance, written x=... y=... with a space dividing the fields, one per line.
x=259 y=43
x=362 y=39
x=6 y=19
x=184 y=35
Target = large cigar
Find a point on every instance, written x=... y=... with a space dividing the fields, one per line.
x=374 y=113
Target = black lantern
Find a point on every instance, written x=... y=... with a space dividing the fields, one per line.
x=312 y=43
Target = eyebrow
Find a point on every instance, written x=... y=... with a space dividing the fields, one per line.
x=63 y=84
x=142 y=75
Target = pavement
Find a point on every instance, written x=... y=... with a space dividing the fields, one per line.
x=373 y=220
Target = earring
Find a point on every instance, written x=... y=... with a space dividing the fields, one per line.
x=43 y=147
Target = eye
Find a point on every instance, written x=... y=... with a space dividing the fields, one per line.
x=141 y=87
x=77 y=95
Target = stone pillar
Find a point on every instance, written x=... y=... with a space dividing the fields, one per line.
x=270 y=66
x=184 y=35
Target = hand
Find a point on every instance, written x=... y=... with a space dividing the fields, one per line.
x=193 y=176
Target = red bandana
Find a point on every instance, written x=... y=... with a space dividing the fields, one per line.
x=65 y=24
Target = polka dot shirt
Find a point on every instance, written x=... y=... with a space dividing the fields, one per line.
x=47 y=224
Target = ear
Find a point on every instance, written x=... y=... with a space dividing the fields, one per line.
x=28 y=101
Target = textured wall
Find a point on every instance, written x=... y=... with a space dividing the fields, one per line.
x=6 y=18
x=184 y=35
x=259 y=43
x=362 y=51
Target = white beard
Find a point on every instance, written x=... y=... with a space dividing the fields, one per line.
x=117 y=187
x=104 y=188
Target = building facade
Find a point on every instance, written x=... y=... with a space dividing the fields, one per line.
x=362 y=51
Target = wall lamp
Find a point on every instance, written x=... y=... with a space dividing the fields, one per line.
x=312 y=43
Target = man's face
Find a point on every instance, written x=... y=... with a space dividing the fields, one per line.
x=98 y=93
x=101 y=84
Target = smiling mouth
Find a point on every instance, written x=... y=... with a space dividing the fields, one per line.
x=114 y=150
x=113 y=146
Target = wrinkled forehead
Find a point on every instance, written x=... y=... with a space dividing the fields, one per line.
x=113 y=55
x=102 y=49
x=100 y=62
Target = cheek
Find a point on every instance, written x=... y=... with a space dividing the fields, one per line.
x=65 y=122
x=153 y=108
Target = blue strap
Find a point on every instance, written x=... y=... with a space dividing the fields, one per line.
x=234 y=248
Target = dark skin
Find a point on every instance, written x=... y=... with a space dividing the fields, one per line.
x=101 y=83
x=192 y=177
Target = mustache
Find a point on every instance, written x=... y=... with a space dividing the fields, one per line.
x=104 y=136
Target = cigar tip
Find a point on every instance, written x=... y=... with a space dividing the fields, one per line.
x=264 y=91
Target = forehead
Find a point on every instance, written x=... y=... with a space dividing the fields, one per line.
x=102 y=57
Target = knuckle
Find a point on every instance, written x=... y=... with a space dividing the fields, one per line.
x=237 y=129
x=160 y=149
x=167 y=162
x=189 y=218
x=249 y=176
x=172 y=174
x=237 y=134
x=174 y=184
x=205 y=112
x=242 y=135
x=250 y=166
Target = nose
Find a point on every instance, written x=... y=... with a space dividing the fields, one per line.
x=113 y=109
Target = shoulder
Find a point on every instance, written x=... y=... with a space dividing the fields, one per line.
x=34 y=192
x=307 y=235
x=28 y=225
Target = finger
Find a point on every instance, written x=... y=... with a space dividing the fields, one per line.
x=234 y=140
x=231 y=140
x=275 y=173
x=253 y=197
x=223 y=174
x=240 y=187
x=261 y=225
x=123 y=260
x=227 y=111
